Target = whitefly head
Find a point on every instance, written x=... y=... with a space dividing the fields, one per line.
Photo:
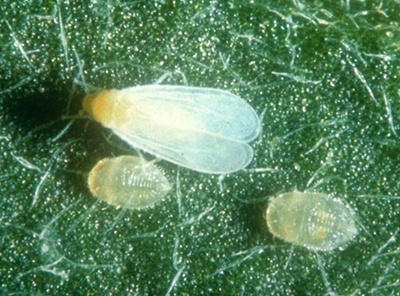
x=311 y=220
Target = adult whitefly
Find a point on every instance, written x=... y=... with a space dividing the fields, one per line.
x=203 y=129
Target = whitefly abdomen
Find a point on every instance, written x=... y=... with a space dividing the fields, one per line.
x=203 y=129
x=128 y=181
x=312 y=220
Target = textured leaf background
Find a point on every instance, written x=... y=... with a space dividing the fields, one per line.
x=325 y=74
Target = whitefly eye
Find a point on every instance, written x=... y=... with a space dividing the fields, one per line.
x=312 y=220
x=203 y=129
x=128 y=181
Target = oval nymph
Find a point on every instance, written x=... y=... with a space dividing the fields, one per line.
x=312 y=220
x=203 y=129
x=128 y=182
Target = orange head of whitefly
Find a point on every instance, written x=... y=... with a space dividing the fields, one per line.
x=99 y=105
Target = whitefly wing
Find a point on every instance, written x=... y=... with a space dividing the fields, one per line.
x=219 y=112
x=199 y=128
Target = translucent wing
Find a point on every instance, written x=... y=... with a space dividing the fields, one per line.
x=203 y=129
x=200 y=152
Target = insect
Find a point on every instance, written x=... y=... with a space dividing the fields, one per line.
x=311 y=220
x=128 y=181
x=203 y=129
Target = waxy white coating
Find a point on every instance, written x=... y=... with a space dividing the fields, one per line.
x=203 y=129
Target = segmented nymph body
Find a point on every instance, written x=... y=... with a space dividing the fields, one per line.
x=312 y=220
x=128 y=182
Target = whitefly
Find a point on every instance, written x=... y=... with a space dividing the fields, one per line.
x=312 y=220
x=128 y=181
x=203 y=129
